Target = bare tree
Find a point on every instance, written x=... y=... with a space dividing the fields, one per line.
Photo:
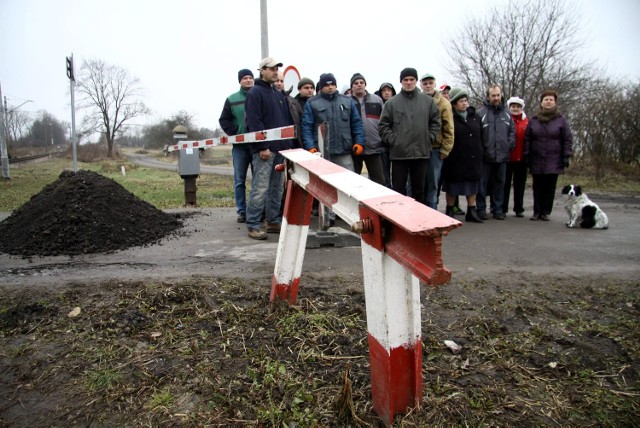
x=525 y=47
x=111 y=96
x=16 y=124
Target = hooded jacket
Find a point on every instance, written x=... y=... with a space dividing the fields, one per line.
x=498 y=130
x=410 y=122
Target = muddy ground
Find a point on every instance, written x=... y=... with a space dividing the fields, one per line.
x=180 y=332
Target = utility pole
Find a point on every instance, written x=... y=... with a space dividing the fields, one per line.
x=72 y=84
x=3 y=141
x=264 y=29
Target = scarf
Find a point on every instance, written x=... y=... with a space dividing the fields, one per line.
x=546 y=116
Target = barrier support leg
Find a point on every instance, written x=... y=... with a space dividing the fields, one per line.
x=292 y=244
x=392 y=296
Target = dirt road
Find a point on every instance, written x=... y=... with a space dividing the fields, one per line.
x=214 y=244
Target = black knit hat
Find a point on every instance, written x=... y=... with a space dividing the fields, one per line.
x=357 y=76
x=305 y=81
x=326 y=79
x=408 y=72
x=244 y=72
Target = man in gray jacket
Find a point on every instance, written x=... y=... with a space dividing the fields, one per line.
x=499 y=137
x=409 y=124
x=369 y=106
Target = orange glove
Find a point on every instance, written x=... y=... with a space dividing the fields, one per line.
x=313 y=150
x=358 y=149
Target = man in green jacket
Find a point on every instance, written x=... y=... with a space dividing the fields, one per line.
x=232 y=123
x=409 y=124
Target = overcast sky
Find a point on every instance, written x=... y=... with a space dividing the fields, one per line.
x=187 y=53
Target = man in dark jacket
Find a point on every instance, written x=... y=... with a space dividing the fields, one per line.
x=266 y=108
x=410 y=122
x=232 y=123
x=499 y=137
x=306 y=88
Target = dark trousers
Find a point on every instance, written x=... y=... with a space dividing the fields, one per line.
x=516 y=174
x=492 y=185
x=544 y=191
x=374 y=167
x=413 y=169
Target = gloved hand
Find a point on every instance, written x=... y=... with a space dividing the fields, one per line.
x=565 y=162
x=358 y=149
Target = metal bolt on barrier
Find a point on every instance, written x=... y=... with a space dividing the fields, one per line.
x=401 y=242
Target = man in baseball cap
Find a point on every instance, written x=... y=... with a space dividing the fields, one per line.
x=269 y=63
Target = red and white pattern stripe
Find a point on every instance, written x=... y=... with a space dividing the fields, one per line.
x=401 y=245
x=284 y=133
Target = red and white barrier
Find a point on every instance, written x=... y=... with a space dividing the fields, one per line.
x=401 y=245
x=283 y=133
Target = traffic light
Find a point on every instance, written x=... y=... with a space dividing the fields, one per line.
x=70 y=69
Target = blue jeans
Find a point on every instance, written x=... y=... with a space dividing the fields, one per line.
x=433 y=178
x=492 y=184
x=241 y=155
x=267 y=187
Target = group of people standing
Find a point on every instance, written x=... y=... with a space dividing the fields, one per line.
x=416 y=142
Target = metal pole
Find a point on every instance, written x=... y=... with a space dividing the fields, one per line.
x=264 y=29
x=72 y=84
x=3 y=142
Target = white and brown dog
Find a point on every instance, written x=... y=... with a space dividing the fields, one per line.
x=582 y=211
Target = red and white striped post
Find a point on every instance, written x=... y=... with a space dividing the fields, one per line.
x=401 y=245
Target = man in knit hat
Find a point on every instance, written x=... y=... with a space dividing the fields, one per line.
x=369 y=106
x=232 y=123
x=441 y=147
x=345 y=136
x=409 y=124
x=306 y=88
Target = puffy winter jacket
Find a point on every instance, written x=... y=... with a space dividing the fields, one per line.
x=345 y=125
x=498 y=131
x=547 y=144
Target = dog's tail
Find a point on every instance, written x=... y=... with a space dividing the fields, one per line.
x=588 y=217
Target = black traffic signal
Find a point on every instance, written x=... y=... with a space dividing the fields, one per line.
x=70 y=69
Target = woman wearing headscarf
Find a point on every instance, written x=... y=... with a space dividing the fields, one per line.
x=548 y=145
x=462 y=169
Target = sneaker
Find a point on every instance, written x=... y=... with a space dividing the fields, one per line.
x=498 y=216
x=457 y=210
x=257 y=234
x=483 y=215
x=520 y=214
x=535 y=217
x=273 y=227
x=545 y=217
x=241 y=218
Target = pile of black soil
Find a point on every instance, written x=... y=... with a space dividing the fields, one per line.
x=83 y=213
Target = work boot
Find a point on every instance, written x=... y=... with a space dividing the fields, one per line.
x=273 y=227
x=482 y=215
x=472 y=215
x=257 y=234
x=449 y=211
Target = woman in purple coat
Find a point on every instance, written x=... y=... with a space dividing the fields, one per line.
x=548 y=145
